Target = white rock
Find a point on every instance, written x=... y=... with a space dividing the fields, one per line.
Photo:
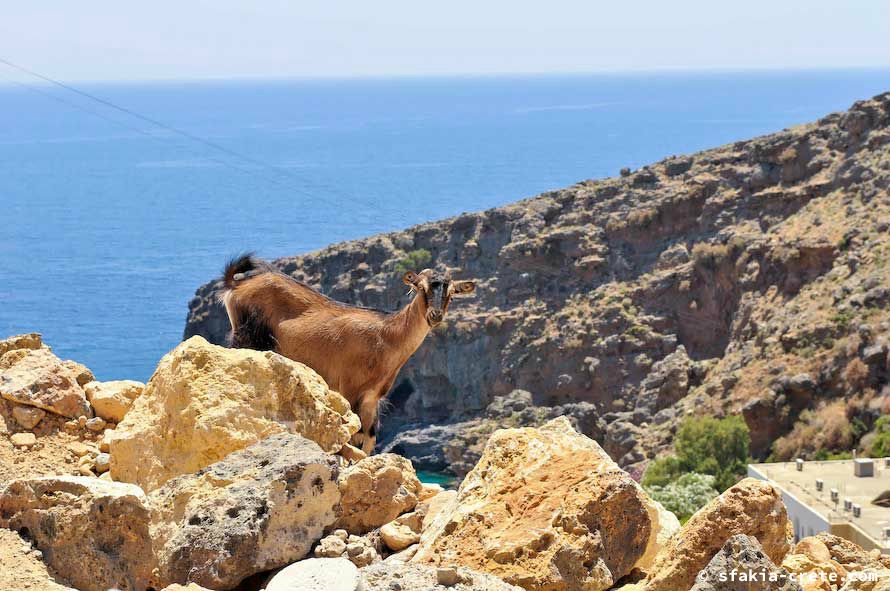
x=103 y=461
x=23 y=440
x=96 y=424
x=317 y=574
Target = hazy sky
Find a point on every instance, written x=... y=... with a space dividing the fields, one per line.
x=175 y=39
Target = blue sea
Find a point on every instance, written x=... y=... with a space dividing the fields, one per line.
x=108 y=222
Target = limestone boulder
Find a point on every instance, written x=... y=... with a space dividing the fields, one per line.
x=546 y=509
x=664 y=525
x=752 y=508
x=112 y=400
x=429 y=490
x=398 y=536
x=260 y=508
x=204 y=402
x=849 y=555
x=36 y=377
x=19 y=342
x=22 y=567
x=826 y=562
x=94 y=533
x=812 y=563
x=815 y=574
x=386 y=576
x=318 y=574
x=376 y=490
x=741 y=565
x=359 y=550
x=433 y=507
x=27 y=416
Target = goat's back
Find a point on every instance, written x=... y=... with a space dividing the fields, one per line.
x=276 y=296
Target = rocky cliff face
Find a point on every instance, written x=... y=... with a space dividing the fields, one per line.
x=749 y=278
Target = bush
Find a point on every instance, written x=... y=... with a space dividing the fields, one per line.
x=880 y=445
x=705 y=445
x=662 y=471
x=827 y=427
x=416 y=260
x=709 y=255
x=685 y=495
x=855 y=374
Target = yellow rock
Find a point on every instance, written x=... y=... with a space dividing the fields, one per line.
x=205 y=401
x=751 y=507
x=78 y=448
x=434 y=506
x=375 y=491
x=21 y=342
x=36 y=377
x=398 y=536
x=93 y=533
x=815 y=575
x=24 y=440
x=824 y=562
x=545 y=509
x=429 y=491
x=112 y=400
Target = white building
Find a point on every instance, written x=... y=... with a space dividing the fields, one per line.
x=834 y=496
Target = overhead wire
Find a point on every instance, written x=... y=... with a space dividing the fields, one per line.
x=375 y=208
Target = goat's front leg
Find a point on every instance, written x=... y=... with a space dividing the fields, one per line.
x=366 y=409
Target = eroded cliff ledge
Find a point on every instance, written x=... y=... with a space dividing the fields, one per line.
x=748 y=278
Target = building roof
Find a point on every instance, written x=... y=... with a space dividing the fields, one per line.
x=836 y=474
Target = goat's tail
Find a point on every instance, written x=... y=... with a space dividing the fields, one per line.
x=250 y=328
x=242 y=267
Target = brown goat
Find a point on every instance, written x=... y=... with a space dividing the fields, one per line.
x=358 y=351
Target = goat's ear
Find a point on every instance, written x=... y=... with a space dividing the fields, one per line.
x=463 y=287
x=410 y=278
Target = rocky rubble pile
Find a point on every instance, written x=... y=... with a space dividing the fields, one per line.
x=230 y=470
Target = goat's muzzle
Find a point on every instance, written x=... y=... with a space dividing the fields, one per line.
x=434 y=317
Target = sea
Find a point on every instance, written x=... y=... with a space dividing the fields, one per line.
x=118 y=200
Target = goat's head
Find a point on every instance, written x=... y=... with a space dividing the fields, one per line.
x=437 y=289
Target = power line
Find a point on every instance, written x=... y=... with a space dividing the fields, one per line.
x=139 y=130
x=184 y=134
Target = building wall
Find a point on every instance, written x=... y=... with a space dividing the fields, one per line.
x=854 y=534
x=806 y=521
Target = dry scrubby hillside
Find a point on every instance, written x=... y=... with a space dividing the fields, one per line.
x=749 y=278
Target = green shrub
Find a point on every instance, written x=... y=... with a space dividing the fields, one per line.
x=715 y=446
x=880 y=445
x=416 y=260
x=824 y=455
x=705 y=445
x=685 y=495
x=662 y=471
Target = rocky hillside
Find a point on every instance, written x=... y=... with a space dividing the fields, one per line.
x=229 y=470
x=751 y=278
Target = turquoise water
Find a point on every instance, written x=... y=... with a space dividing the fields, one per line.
x=108 y=226
x=446 y=480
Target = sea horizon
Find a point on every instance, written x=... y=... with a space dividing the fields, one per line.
x=649 y=72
